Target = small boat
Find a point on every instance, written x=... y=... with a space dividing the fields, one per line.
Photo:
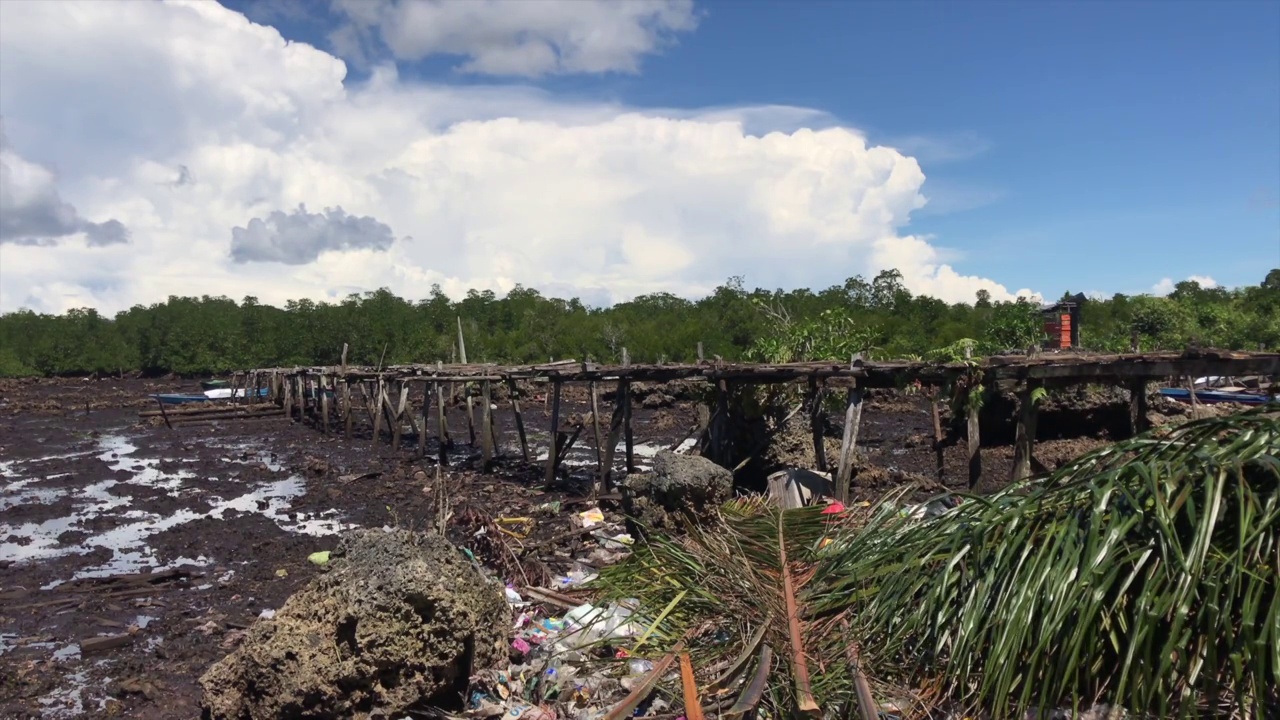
x=1210 y=397
x=178 y=398
x=206 y=396
x=214 y=384
x=227 y=394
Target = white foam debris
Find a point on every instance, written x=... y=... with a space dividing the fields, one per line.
x=127 y=541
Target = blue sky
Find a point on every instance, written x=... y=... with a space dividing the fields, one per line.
x=1065 y=143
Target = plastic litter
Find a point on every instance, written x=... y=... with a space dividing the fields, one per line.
x=591 y=518
x=319 y=558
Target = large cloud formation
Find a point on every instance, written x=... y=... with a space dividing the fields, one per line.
x=190 y=121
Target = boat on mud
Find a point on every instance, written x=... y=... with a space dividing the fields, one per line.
x=206 y=396
x=1214 y=390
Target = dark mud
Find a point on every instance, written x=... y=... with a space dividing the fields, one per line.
x=177 y=541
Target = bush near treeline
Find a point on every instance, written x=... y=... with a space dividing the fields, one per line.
x=879 y=318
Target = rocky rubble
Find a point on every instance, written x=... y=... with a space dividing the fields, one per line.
x=401 y=619
x=679 y=486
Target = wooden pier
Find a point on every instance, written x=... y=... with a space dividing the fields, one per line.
x=333 y=395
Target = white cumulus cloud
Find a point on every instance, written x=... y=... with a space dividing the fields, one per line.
x=1167 y=285
x=191 y=124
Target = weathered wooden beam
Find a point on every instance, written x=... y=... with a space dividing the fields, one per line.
x=399 y=414
x=515 y=406
x=817 y=420
x=375 y=411
x=324 y=404
x=595 y=424
x=719 y=426
x=972 y=434
x=1025 y=434
x=426 y=419
x=442 y=425
x=553 y=452
x=611 y=446
x=626 y=417
x=302 y=398
x=938 y=449
x=1137 y=406
x=487 y=444
x=849 y=443
x=346 y=407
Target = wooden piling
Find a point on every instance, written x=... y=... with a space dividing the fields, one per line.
x=626 y=417
x=515 y=406
x=975 y=442
x=346 y=407
x=1024 y=441
x=1138 y=406
x=553 y=452
x=817 y=420
x=426 y=419
x=399 y=414
x=375 y=411
x=611 y=446
x=938 y=449
x=595 y=423
x=442 y=425
x=487 y=444
x=302 y=398
x=849 y=443
x=466 y=389
x=324 y=404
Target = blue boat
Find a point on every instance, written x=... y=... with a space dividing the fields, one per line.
x=206 y=396
x=1210 y=397
x=178 y=398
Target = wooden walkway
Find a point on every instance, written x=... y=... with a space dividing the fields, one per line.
x=332 y=395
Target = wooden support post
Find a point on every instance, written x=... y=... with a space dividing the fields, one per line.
x=849 y=443
x=324 y=404
x=701 y=359
x=286 y=402
x=375 y=411
x=442 y=425
x=1024 y=442
x=817 y=420
x=398 y=414
x=346 y=406
x=718 y=427
x=466 y=390
x=1138 y=406
x=553 y=452
x=937 y=435
x=302 y=398
x=626 y=417
x=487 y=445
x=626 y=428
x=426 y=420
x=595 y=424
x=515 y=405
x=611 y=446
x=975 y=443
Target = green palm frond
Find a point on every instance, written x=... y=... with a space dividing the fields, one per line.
x=1143 y=574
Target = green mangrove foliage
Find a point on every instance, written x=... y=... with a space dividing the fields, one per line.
x=879 y=318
